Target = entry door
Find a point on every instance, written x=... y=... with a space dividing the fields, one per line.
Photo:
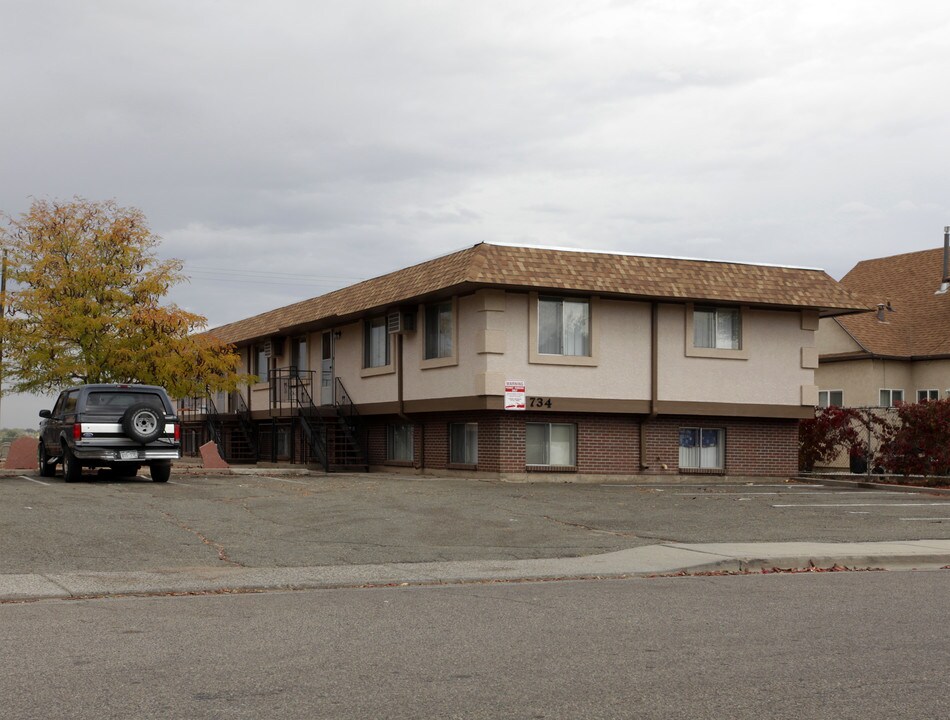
x=326 y=370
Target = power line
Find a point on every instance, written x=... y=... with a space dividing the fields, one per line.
x=267 y=273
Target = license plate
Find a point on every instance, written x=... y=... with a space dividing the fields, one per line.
x=128 y=454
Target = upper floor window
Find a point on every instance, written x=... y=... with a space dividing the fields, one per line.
x=891 y=397
x=719 y=328
x=299 y=357
x=439 y=330
x=830 y=398
x=563 y=326
x=928 y=395
x=375 y=343
x=261 y=362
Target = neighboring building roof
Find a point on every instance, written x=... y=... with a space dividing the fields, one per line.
x=606 y=274
x=919 y=324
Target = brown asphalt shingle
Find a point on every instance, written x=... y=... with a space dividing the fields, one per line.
x=561 y=270
x=919 y=325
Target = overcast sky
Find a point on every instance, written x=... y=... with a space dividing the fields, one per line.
x=282 y=149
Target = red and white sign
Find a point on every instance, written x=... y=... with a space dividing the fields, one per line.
x=514 y=395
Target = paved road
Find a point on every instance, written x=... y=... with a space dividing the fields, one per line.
x=844 y=645
x=260 y=521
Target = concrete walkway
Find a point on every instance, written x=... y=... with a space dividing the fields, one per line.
x=657 y=559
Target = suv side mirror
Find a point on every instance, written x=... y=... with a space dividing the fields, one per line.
x=46 y=414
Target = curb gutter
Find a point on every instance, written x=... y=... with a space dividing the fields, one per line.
x=659 y=559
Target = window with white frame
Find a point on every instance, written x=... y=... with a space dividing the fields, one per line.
x=718 y=328
x=463 y=443
x=563 y=326
x=890 y=397
x=702 y=448
x=923 y=395
x=830 y=398
x=299 y=357
x=261 y=357
x=375 y=343
x=553 y=444
x=439 y=330
x=399 y=445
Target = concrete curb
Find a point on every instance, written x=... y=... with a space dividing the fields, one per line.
x=667 y=558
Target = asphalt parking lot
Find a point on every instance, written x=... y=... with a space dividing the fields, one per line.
x=261 y=520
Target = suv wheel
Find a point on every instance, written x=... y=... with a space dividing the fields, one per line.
x=160 y=471
x=46 y=469
x=143 y=423
x=72 y=468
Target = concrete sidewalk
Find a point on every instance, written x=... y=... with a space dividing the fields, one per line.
x=641 y=561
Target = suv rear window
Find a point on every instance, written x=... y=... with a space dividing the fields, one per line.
x=116 y=401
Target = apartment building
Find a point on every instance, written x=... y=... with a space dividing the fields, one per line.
x=530 y=363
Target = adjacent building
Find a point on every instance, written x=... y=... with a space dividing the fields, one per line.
x=900 y=352
x=524 y=363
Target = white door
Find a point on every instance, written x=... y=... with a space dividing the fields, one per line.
x=326 y=370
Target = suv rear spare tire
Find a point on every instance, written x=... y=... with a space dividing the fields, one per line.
x=143 y=423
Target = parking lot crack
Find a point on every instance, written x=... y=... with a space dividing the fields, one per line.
x=581 y=526
x=218 y=547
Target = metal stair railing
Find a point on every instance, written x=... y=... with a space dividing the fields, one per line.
x=349 y=417
x=308 y=413
x=243 y=413
x=213 y=420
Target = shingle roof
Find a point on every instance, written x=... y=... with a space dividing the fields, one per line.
x=564 y=270
x=919 y=325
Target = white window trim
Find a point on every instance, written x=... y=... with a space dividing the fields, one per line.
x=382 y=369
x=533 y=466
x=725 y=354
x=828 y=393
x=537 y=358
x=928 y=391
x=891 y=391
x=722 y=436
x=449 y=360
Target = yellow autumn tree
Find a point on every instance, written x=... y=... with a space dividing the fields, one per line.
x=84 y=305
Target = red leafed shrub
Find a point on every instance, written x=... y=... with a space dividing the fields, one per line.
x=832 y=430
x=919 y=443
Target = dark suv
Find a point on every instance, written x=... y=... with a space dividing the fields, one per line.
x=122 y=427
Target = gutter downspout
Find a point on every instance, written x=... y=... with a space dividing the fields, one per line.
x=654 y=381
x=401 y=412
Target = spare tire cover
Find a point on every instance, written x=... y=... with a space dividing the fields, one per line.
x=143 y=422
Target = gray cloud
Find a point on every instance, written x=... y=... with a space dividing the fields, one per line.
x=344 y=140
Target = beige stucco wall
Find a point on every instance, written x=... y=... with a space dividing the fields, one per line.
x=931 y=375
x=621 y=345
x=832 y=339
x=862 y=380
x=348 y=363
x=494 y=344
x=455 y=380
x=771 y=375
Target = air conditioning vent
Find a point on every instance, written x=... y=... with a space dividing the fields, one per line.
x=400 y=322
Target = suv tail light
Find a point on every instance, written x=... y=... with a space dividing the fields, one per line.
x=77 y=431
x=177 y=432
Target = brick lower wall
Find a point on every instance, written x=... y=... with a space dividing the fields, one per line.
x=606 y=444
